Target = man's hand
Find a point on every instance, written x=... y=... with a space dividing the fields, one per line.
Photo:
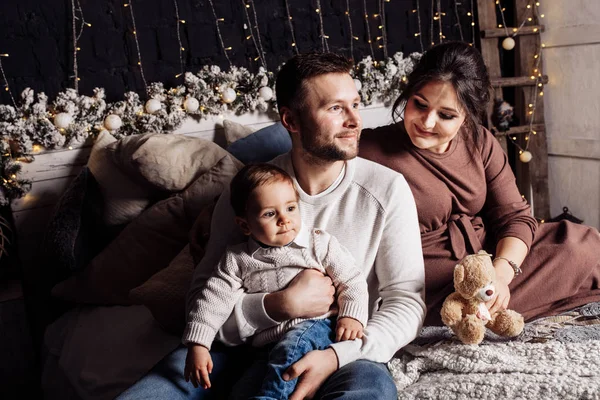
x=348 y=329
x=311 y=370
x=198 y=364
x=309 y=295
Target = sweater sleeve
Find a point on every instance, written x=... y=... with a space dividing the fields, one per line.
x=505 y=210
x=400 y=272
x=215 y=302
x=249 y=314
x=350 y=284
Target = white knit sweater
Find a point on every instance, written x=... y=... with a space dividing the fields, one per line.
x=250 y=268
x=372 y=213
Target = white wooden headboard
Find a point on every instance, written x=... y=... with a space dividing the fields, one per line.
x=52 y=171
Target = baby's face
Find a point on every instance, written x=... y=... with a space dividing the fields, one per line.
x=273 y=217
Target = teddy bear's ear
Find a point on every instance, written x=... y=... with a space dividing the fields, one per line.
x=459 y=273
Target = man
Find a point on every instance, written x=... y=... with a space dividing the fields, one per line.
x=370 y=210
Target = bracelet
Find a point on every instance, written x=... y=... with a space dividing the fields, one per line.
x=514 y=266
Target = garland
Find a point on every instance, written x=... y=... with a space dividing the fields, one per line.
x=71 y=119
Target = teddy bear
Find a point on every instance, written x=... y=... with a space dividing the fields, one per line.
x=464 y=311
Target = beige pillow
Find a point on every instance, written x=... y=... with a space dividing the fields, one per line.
x=166 y=162
x=144 y=247
x=235 y=131
x=123 y=198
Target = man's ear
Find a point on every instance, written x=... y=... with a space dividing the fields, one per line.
x=243 y=224
x=288 y=119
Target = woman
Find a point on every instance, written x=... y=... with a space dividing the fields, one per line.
x=467 y=198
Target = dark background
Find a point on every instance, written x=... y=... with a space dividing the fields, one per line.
x=38 y=36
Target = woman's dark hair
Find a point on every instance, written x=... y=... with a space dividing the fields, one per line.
x=289 y=87
x=249 y=178
x=461 y=65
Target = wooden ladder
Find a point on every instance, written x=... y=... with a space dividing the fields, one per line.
x=532 y=178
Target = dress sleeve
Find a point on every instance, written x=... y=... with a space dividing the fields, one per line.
x=506 y=212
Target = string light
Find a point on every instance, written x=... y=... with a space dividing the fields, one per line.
x=181 y=49
x=76 y=8
x=6 y=86
x=294 y=43
x=439 y=13
x=383 y=29
x=418 y=12
x=217 y=20
x=351 y=32
x=462 y=38
x=431 y=24
x=472 y=23
x=368 y=28
x=259 y=49
x=137 y=44
x=324 y=44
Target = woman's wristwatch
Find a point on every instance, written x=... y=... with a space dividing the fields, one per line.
x=514 y=266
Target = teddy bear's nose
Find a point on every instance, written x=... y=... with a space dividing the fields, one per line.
x=489 y=292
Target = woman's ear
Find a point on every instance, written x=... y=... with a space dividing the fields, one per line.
x=288 y=119
x=243 y=224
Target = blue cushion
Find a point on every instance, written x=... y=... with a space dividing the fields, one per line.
x=263 y=145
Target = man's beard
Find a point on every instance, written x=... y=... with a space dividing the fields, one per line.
x=326 y=151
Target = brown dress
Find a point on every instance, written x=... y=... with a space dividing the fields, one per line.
x=467 y=200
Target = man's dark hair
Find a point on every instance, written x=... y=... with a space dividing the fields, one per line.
x=290 y=79
x=249 y=178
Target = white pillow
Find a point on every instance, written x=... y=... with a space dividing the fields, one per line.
x=235 y=131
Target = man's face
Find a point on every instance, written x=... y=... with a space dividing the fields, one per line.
x=329 y=124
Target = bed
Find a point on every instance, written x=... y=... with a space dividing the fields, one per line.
x=123 y=239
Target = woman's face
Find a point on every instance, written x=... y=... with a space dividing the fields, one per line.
x=433 y=116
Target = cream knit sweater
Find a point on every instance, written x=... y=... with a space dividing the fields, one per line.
x=250 y=268
x=371 y=212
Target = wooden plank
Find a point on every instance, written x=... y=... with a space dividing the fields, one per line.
x=55 y=164
x=518 y=130
x=575 y=147
x=42 y=194
x=535 y=173
x=501 y=32
x=520 y=80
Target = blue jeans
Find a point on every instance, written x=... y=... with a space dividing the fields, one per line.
x=359 y=380
x=299 y=340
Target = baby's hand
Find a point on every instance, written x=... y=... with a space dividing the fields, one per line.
x=198 y=364
x=348 y=329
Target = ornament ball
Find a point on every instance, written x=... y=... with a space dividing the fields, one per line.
x=358 y=84
x=508 y=43
x=265 y=93
x=152 y=106
x=228 y=95
x=525 y=156
x=191 y=104
x=62 y=120
x=112 y=122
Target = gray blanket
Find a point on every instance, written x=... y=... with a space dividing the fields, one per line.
x=554 y=358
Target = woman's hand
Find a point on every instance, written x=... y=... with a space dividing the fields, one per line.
x=504 y=275
x=310 y=294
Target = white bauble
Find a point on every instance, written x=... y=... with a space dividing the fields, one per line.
x=265 y=93
x=152 y=106
x=228 y=95
x=508 y=43
x=191 y=104
x=112 y=122
x=358 y=84
x=525 y=156
x=62 y=120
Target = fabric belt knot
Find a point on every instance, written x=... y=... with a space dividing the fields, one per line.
x=463 y=238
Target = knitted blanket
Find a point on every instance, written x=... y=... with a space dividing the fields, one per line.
x=556 y=358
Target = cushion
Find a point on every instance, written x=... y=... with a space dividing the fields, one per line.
x=123 y=198
x=166 y=162
x=164 y=294
x=263 y=145
x=235 y=131
x=144 y=247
